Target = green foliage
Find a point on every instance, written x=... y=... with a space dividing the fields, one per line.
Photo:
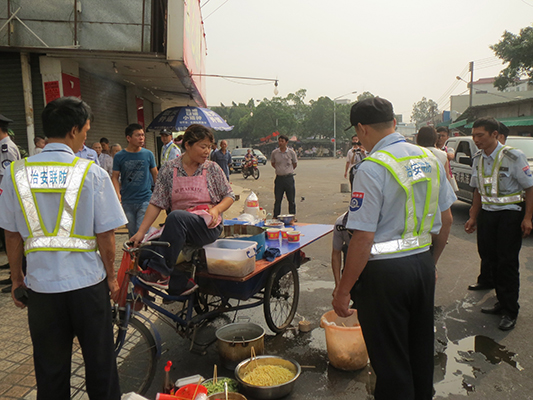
x=517 y=51
x=424 y=110
x=289 y=115
x=365 y=95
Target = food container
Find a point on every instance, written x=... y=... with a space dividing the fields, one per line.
x=191 y=391
x=274 y=223
x=287 y=219
x=220 y=385
x=235 y=342
x=231 y=257
x=344 y=341
x=247 y=232
x=222 y=396
x=294 y=236
x=272 y=234
x=267 y=392
x=284 y=232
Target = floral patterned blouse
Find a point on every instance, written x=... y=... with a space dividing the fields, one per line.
x=217 y=183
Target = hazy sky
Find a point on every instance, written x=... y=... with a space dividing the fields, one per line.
x=399 y=50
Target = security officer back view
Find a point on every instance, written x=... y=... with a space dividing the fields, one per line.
x=400 y=206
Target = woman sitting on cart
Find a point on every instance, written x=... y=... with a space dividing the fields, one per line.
x=197 y=193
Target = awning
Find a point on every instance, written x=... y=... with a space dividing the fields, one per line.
x=458 y=124
x=516 y=121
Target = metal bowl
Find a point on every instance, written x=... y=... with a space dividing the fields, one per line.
x=222 y=396
x=208 y=381
x=287 y=219
x=267 y=392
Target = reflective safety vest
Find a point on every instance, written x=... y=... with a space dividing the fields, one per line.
x=488 y=185
x=65 y=179
x=408 y=171
x=166 y=153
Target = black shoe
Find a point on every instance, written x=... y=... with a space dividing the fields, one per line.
x=496 y=309
x=507 y=323
x=5 y=281
x=6 y=289
x=5 y=266
x=480 y=286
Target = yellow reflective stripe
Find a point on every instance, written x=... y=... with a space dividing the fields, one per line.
x=404 y=171
x=59 y=249
x=74 y=211
x=12 y=170
x=48 y=243
x=47 y=163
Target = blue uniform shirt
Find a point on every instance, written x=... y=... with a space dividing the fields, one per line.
x=88 y=154
x=515 y=175
x=173 y=152
x=381 y=201
x=98 y=211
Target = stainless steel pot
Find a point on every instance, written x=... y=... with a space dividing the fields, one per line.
x=235 y=341
x=267 y=392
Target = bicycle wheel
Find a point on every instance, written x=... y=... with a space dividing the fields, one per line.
x=136 y=361
x=282 y=292
x=256 y=173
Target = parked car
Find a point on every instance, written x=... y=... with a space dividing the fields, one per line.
x=237 y=157
x=461 y=164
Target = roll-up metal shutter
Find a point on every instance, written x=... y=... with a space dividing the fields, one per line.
x=12 y=96
x=108 y=103
x=38 y=94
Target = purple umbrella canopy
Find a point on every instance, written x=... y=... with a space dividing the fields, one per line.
x=179 y=119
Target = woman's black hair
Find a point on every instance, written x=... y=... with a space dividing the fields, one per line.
x=196 y=133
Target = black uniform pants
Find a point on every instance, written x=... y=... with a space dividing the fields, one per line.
x=284 y=184
x=499 y=239
x=395 y=300
x=54 y=320
x=180 y=227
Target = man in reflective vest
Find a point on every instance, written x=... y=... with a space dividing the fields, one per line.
x=502 y=209
x=169 y=150
x=59 y=209
x=400 y=207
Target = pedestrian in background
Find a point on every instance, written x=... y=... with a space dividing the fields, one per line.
x=353 y=157
x=502 y=209
x=39 y=143
x=400 y=206
x=134 y=170
x=170 y=150
x=105 y=145
x=88 y=154
x=222 y=157
x=114 y=149
x=105 y=160
x=284 y=161
x=68 y=282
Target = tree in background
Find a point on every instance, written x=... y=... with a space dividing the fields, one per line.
x=424 y=110
x=517 y=51
x=364 y=96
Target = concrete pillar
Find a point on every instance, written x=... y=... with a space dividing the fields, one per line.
x=28 y=99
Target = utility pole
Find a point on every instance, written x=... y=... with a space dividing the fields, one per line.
x=471 y=82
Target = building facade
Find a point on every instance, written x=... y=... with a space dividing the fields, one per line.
x=128 y=59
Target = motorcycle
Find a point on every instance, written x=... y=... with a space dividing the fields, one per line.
x=250 y=168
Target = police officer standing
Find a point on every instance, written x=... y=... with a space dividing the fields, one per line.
x=502 y=180
x=59 y=210
x=9 y=149
x=400 y=206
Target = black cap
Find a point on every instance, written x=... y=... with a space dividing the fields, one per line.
x=371 y=111
x=4 y=121
x=165 y=132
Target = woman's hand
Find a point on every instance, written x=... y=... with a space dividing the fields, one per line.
x=213 y=211
x=137 y=238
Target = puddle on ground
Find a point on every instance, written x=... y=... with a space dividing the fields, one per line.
x=459 y=364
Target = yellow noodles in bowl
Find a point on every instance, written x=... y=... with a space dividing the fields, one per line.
x=268 y=375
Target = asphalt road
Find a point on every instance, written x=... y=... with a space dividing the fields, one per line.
x=472 y=357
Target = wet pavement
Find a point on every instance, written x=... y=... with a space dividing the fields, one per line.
x=472 y=357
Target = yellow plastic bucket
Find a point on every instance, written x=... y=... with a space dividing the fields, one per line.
x=344 y=340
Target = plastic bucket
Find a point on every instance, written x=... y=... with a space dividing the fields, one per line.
x=247 y=232
x=344 y=340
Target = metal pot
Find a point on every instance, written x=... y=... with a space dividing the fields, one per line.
x=247 y=232
x=235 y=341
x=267 y=392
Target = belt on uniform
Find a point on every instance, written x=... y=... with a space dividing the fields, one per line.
x=284 y=176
